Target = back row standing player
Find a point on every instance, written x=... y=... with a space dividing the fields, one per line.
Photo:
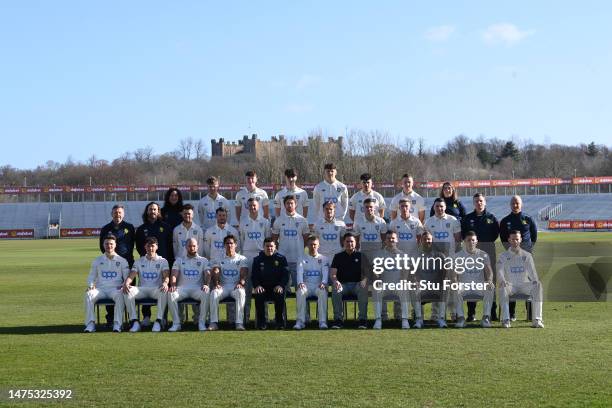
x=291 y=188
x=208 y=204
x=417 y=207
x=330 y=189
x=357 y=201
x=249 y=190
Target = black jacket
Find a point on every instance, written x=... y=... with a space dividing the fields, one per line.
x=125 y=234
x=163 y=233
x=270 y=271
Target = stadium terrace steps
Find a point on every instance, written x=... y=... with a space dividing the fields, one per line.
x=96 y=214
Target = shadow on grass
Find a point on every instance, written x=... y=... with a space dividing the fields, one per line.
x=50 y=329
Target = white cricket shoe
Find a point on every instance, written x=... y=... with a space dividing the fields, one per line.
x=90 y=328
x=323 y=326
x=175 y=327
x=418 y=323
x=117 y=327
x=485 y=322
x=506 y=324
x=537 y=324
x=213 y=326
x=442 y=323
x=201 y=326
x=146 y=322
x=135 y=327
x=298 y=325
x=405 y=324
x=460 y=323
x=240 y=327
x=377 y=324
x=156 y=327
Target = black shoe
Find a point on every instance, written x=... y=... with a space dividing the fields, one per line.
x=363 y=324
x=337 y=324
x=263 y=327
x=470 y=318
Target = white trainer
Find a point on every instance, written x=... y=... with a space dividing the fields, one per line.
x=117 y=327
x=506 y=324
x=377 y=324
x=460 y=322
x=442 y=323
x=156 y=327
x=418 y=324
x=201 y=326
x=298 y=325
x=90 y=328
x=135 y=327
x=240 y=327
x=537 y=324
x=405 y=324
x=485 y=322
x=175 y=327
x=323 y=326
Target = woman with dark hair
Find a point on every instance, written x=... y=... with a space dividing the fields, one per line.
x=454 y=207
x=173 y=205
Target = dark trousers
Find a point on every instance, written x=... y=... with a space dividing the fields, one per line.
x=279 y=306
x=471 y=308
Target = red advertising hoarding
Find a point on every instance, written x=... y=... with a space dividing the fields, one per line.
x=16 y=233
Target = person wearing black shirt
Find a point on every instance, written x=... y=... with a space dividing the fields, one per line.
x=270 y=276
x=173 y=206
x=153 y=226
x=454 y=207
x=125 y=234
x=486 y=227
x=349 y=274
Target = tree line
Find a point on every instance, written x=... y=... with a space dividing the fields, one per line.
x=377 y=152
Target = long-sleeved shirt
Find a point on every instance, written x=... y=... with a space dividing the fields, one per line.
x=453 y=207
x=523 y=223
x=181 y=234
x=335 y=192
x=313 y=270
x=125 y=234
x=516 y=267
x=108 y=273
x=486 y=228
x=163 y=233
x=270 y=271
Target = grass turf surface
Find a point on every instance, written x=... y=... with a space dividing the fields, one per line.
x=41 y=289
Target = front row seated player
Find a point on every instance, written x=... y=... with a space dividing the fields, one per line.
x=391 y=276
x=190 y=278
x=349 y=273
x=230 y=282
x=270 y=275
x=105 y=281
x=516 y=274
x=153 y=276
x=312 y=275
x=474 y=274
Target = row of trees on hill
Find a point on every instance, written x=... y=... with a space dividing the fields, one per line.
x=376 y=152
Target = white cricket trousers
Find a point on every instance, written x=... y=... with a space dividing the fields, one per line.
x=525 y=288
x=181 y=293
x=143 y=292
x=311 y=290
x=378 y=298
x=486 y=295
x=92 y=296
x=222 y=293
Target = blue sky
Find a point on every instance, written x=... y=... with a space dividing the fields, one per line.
x=78 y=78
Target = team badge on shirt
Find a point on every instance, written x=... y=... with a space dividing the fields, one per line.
x=117 y=263
x=275 y=263
x=161 y=229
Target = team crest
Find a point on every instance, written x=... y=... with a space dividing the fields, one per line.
x=524 y=258
x=199 y=263
x=319 y=261
x=157 y=266
x=125 y=231
x=275 y=263
x=117 y=263
x=488 y=221
x=448 y=225
x=339 y=189
x=524 y=222
x=161 y=229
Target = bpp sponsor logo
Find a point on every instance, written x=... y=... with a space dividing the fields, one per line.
x=405 y=236
x=230 y=272
x=149 y=275
x=370 y=237
x=254 y=235
x=290 y=233
x=191 y=273
x=441 y=235
x=517 y=269
x=109 y=275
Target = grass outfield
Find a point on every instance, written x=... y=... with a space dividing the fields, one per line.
x=41 y=322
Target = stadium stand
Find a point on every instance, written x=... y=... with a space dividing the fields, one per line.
x=39 y=216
